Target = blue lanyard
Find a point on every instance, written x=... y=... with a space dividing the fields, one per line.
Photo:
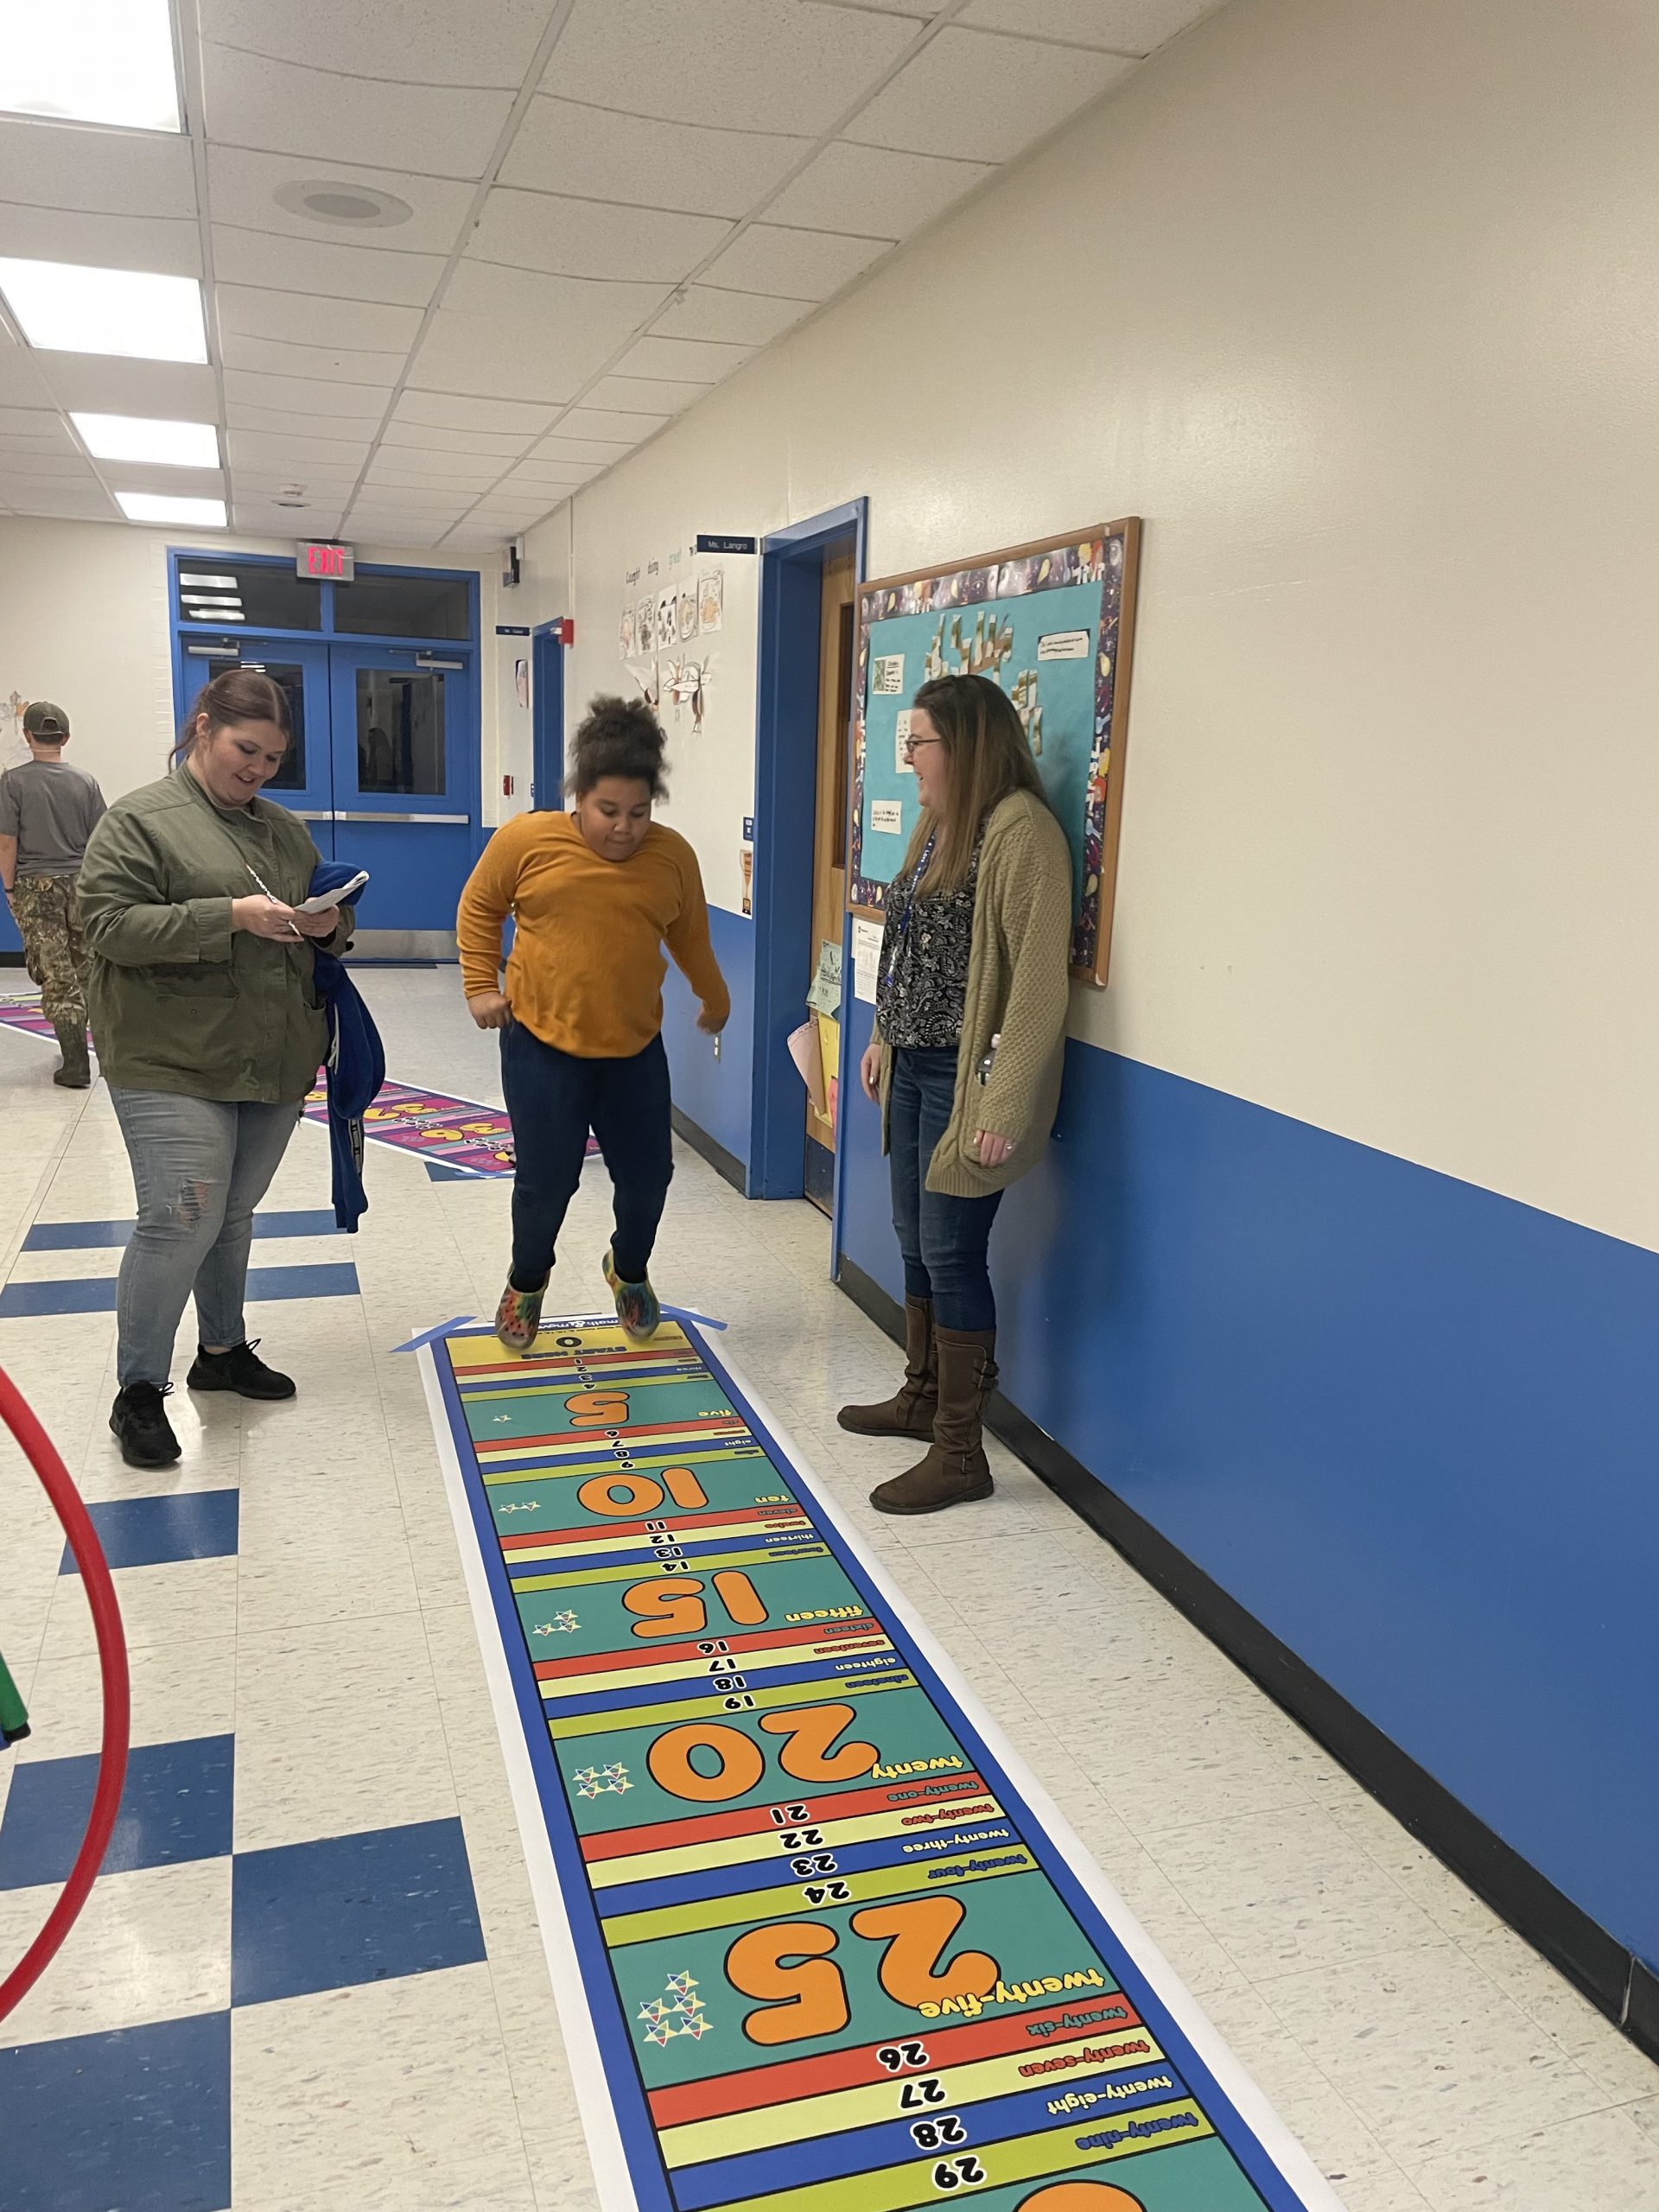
x=909 y=909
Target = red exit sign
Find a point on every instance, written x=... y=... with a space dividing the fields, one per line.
x=331 y=565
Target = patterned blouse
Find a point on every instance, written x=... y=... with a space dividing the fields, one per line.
x=921 y=984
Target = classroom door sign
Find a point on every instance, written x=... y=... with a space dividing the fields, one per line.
x=819 y=1941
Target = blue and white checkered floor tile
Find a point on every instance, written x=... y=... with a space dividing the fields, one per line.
x=309 y=1980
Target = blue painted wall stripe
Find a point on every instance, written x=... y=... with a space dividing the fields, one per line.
x=1406 y=1422
x=336 y=1278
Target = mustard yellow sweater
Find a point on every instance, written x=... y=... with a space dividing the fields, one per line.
x=587 y=968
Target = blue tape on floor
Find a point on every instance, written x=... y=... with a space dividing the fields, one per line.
x=97 y=1236
x=329 y=1279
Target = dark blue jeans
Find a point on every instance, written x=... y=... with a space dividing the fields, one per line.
x=945 y=1241
x=554 y=1099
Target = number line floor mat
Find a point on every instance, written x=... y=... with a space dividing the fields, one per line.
x=819 y=1941
x=464 y=1139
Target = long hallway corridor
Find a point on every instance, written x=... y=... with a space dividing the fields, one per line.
x=314 y=1948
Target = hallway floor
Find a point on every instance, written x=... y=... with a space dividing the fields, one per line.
x=313 y=1730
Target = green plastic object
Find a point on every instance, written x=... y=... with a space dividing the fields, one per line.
x=13 y=1717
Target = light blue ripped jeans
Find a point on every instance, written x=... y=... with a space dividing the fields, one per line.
x=200 y=1167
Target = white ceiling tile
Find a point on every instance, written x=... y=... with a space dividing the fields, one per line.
x=1122 y=26
x=342 y=272
x=242 y=188
x=363 y=403
x=738 y=318
x=725 y=62
x=595 y=153
x=320 y=483
x=33 y=423
x=186 y=483
x=687 y=360
x=98 y=383
x=284 y=108
x=411 y=42
x=36 y=440
x=270 y=520
x=72 y=505
x=156 y=243
x=284 y=423
x=366 y=519
x=507 y=444
x=794 y=265
x=604 y=427
x=589 y=237
x=21 y=383
x=552 y=474
x=510 y=515
x=978 y=96
x=445 y=474
x=264 y=449
x=451 y=410
x=333 y=365
x=512 y=335
x=20 y=467
x=645 y=395
x=872 y=189
x=295 y=319
x=405 y=495
x=106 y=172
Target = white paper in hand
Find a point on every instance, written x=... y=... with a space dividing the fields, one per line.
x=327 y=900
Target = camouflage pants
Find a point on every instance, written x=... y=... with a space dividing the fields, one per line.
x=44 y=910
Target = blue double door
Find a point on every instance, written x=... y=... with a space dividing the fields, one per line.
x=383 y=769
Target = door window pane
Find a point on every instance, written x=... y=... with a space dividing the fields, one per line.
x=290 y=776
x=403 y=606
x=264 y=597
x=400 y=734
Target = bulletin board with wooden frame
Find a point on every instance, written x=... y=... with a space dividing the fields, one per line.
x=1052 y=623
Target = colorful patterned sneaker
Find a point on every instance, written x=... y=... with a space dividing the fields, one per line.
x=518 y=1318
x=636 y=1305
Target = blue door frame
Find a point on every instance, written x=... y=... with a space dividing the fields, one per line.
x=547 y=715
x=785 y=805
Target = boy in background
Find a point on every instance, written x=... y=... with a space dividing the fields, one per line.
x=47 y=814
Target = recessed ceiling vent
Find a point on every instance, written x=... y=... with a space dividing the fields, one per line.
x=357 y=207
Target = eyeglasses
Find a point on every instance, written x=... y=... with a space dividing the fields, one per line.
x=913 y=744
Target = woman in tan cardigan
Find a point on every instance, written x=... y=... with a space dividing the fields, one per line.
x=965 y=1061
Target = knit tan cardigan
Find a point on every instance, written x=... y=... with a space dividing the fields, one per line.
x=1019 y=989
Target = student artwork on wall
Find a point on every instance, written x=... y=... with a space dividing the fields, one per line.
x=1054 y=623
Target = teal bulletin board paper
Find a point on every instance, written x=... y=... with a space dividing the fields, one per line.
x=1052 y=625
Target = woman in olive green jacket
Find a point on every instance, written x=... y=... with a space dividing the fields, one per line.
x=966 y=1060
x=209 y=1033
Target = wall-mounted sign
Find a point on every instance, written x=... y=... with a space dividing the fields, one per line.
x=329 y=564
x=716 y=542
x=513 y=629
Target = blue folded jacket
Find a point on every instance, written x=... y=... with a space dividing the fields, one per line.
x=355 y=1068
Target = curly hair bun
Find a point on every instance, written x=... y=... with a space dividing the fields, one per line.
x=618 y=737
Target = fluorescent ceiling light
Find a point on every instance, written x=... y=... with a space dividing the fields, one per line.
x=217 y=583
x=210 y=598
x=90 y=61
x=66 y=308
x=161 y=506
x=140 y=437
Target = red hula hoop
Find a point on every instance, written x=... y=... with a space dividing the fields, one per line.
x=42 y=1455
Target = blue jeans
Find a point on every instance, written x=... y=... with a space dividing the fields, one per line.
x=945 y=1241
x=554 y=1099
x=200 y=1167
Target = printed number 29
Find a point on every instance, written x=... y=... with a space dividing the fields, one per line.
x=958 y=2173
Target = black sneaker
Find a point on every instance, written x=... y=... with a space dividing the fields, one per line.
x=241 y=1370
x=139 y=1422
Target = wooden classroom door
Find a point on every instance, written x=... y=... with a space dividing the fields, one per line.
x=835 y=650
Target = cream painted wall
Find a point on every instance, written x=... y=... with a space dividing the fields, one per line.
x=1356 y=302
x=84 y=622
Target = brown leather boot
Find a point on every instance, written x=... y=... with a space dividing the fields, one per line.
x=910 y=1414
x=956 y=1471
